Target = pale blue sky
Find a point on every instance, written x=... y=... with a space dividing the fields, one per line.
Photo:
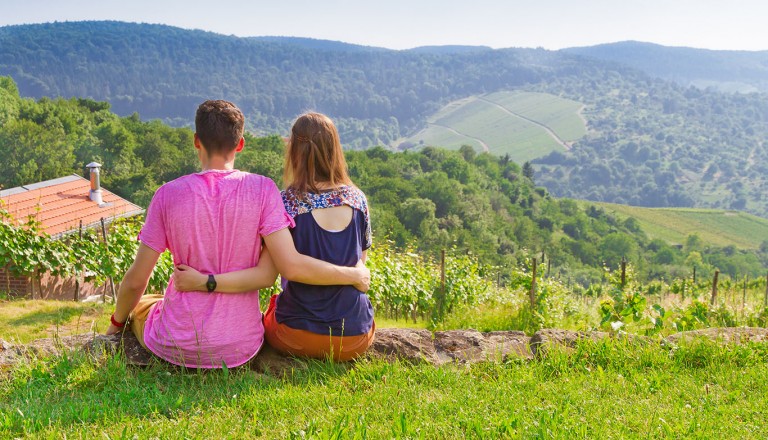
x=402 y=24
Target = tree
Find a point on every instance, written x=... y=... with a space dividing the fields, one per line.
x=418 y=216
x=467 y=152
x=616 y=246
x=528 y=171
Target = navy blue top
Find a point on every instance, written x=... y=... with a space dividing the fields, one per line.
x=335 y=310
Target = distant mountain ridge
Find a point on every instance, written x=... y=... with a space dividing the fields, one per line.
x=726 y=70
x=318 y=44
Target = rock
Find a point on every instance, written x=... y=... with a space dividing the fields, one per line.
x=728 y=335
x=411 y=345
x=269 y=361
x=9 y=354
x=90 y=343
x=126 y=342
x=462 y=346
x=459 y=345
x=508 y=343
x=469 y=346
x=543 y=339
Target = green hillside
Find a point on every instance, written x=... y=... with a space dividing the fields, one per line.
x=650 y=142
x=525 y=125
x=718 y=227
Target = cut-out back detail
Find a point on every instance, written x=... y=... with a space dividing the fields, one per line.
x=334 y=219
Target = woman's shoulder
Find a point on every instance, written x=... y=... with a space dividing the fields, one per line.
x=350 y=195
x=294 y=204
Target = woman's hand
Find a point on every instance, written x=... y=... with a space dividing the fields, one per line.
x=364 y=283
x=186 y=279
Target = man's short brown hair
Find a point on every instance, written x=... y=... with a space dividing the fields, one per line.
x=219 y=126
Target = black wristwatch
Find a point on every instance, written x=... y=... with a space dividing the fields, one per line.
x=211 y=284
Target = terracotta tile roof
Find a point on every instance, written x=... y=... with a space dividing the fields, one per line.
x=60 y=204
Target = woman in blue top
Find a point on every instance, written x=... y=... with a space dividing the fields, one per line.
x=331 y=224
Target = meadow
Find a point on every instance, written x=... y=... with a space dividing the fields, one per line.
x=606 y=389
x=718 y=227
x=514 y=123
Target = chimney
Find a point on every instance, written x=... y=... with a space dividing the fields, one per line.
x=95 y=193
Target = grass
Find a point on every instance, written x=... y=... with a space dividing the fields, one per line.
x=718 y=227
x=600 y=390
x=506 y=122
x=25 y=321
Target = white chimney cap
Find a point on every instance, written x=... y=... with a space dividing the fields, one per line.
x=93 y=165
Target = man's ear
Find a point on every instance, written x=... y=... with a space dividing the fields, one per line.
x=240 y=145
x=198 y=144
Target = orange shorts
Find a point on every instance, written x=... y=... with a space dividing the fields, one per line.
x=308 y=344
x=138 y=316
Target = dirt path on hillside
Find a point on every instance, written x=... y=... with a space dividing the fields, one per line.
x=482 y=144
x=581 y=115
x=751 y=158
x=549 y=131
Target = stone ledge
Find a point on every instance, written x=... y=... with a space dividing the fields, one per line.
x=726 y=335
x=391 y=344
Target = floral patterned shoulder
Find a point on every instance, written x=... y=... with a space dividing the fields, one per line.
x=344 y=195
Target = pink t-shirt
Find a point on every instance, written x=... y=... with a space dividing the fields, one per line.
x=212 y=221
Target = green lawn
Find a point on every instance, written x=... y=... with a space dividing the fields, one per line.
x=718 y=227
x=602 y=390
x=24 y=321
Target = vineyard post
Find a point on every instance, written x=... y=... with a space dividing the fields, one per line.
x=77 y=273
x=744 y=297
x=40 y=285
x=714 y=288
x=694 y=275
x=765 y=300
x=34 y=278
x=532 y=292
x=106 y=247
x=623 y=272
x=442 y=283
x=682 y=294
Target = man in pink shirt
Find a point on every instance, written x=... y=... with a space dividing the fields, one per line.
x=215 y=221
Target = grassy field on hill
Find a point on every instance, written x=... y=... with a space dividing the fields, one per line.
x=525 y=125
x=714 y=226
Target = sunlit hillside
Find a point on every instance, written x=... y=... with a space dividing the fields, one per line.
x=525 y=125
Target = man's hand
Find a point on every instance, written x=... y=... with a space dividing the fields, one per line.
x=365 y=277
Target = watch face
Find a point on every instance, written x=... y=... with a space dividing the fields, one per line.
x=211 y=284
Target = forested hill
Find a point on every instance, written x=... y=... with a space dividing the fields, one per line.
x=649 y=142
x=163 y=72
x=726 y=70
x=434 y=199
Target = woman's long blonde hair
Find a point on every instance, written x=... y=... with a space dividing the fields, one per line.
x=314 y=155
